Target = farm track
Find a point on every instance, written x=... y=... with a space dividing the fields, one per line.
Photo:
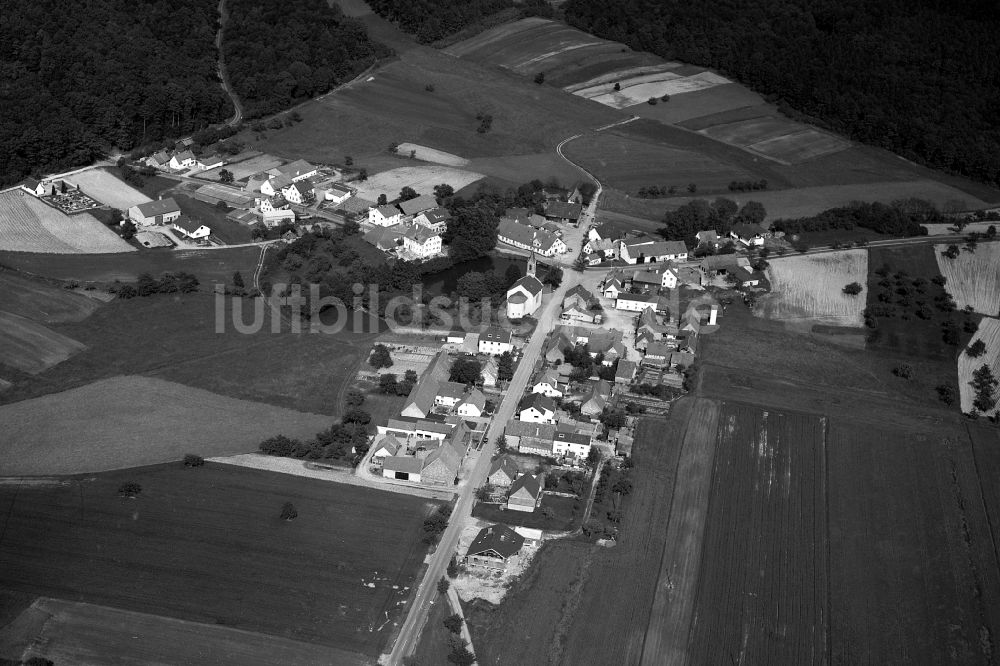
x=221 y=67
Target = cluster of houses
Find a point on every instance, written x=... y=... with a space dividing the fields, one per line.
x=181 y=158
x=606 y=242
x=166 y=212
x=409 y=229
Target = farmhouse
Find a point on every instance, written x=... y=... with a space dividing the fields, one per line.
x=528 y=238
x=384 y=447
x=495 y=340
x=421 y=242
x=295 y=171
x=596 y=399
x=525 y=295
x=548 y=384
x=537 y=408
x=183 y=160
x=424 y=395
x=613 y=285
x=493 y=546
x=604 y=248
x=418 y=205
x=640 y=302
x=525 y=435
x=625 y=372
x=449 y=393
x=657 y=355
x=525 y=494
x=749 y=234
x=386 y=239
x=562 y=211
x=207 y=162
x=300 y=192
x=473 y=404
x=189 y=228
x=571 y=445
x=441 y=465
x=648 y=251
x=605 y=231
x=503 y=472
x=384 y=216
x=435 y=219
x=274 y=185
x=721 y=264
x=158 y=160
x=707 y=238
x=162 y=211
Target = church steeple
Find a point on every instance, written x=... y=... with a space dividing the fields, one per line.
x=531 y=265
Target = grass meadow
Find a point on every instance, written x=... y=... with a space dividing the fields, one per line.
x=810 y=288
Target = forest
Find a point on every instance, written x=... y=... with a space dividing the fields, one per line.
x=79 y=78
x=278 y=54
x=918 y=77
x=431 y=20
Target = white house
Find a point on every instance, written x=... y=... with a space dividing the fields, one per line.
x=33 y=187
x=495 y=340
x=639 y=302
x=387 y=445
x=525 y=295
x=183 y=160
x=300 y=192
x=384 y=216
x=436 y=219
x=161 y=211
x=537 y=408
x=525 y=237
x=190 y=228
x=274 y=185
x=158 y=160
x=449 y=394
x=749 y=234
x=473 y=404
x=614 y=284
x=571 y=445
x=338 y=193
x=670 y=277
x=548 y=384
x=648 y=251
x=207 y=162
x=421 y=241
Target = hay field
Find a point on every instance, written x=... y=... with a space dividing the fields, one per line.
x=28 y=225
x=989 y=333
x=422 y=179
x=108 y=189
x=810 y=288
x=973 y=277
x=31 y=347
x=432 y=155
x=698 y=103
x=130 y=421
x=37 y=300
x=780 y=139
x=638 y=89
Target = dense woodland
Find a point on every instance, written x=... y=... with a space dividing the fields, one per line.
x=431 y=20
x=78 y=78
x=918 y=77
x=279 y=53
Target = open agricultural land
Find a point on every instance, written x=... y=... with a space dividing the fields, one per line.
x=422 y=179
x=28 y=225
x=108 y=189
x=41 y=301
x=973 y=277
x=30 y=347
x=132 y=421
x=989 y=333
x=191 y=547
x=810 y=288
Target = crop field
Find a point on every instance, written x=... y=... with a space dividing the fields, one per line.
x=420 y=178
x=810 y=288
x=431 y=155
x=67 y=632
x=31 y=347
x=108 y=189
x=973 y=277
x=698 y=103
x=244 y=169
x=989 y=333
x=778 y=138
x=638 y=89
x=133 y=421
x=28 y=225
x=208 y=265
x=42 y=302
x=762 y=584
x=207 y=545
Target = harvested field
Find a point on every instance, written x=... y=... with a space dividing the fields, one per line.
x=762 y=583
x=132 y=421
x=810 y=288
x=206 y=545
x=638 y=89
x=431 y=155
x=420 y=178
x=611 y=78
x=973 y=277
x=42 y=302
x=108 y=189
x=74 y=633
x=28 y=225
x=989 y=333
x=244 y=169
x=32 y=348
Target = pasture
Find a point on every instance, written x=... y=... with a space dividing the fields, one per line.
x=28 y=225
x=778 y=138
x=420 y=178
x=207 y=545
x=31 y=347
x=989 y=333
x=698 y=103
x=973 y=277
x=42 y=302
x=108 y=189
x=130 y=421
x=426 y=154
x=809 y=288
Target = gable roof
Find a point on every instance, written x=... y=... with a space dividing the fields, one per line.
x=748 y=230
x=506 y=465
x=572 y=438
x=389 y=443
x=444 y=456
x=339 y=188
x=540 y=402
x=384 y=238
x=499 y=539
x=161 y=157
x=581 y=292
x=187 y=224
x=707 y=236
x=530 y=283
x=295 y=169
x=564 y=210
x=655 y=248
x=658 y=349
x=626 y=370
x=475 y=398
x=387 y=210
x=525 y=235
x=405 y=464
x=184 y=155
x=496 y=334
x=526 y=482
x=549 y=376
x=158 y=207
x=436 y=215
x=418 y=205
x=516 y=428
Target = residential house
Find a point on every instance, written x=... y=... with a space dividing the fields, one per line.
x=593 y=259
x=295 y=171
x=625 y=373
x=596 y=399
x=441 y=465
x=692 y=324
x=708 y=238
x=525 y=494
x=605 y=247
x=598 y=341
x=681 y=360
x=300 y=192
x=657 y=355
x=385 y=446
x=606 y=231
x=206 y=162
x=525 y=237
x=503 y=472
x=577 y=313
x=158 y=160
x=613 y=284
x=577 y=304
x=722 y=264
x=189 y=228
x=384 y=216
x=255 y=182
x=537 y=408
x=435 y=219
x=525 y=435
x=387 y=239
x=337 y=193
x=749 y=234
x=562 y=211
x=670 y=275
x=492 y=547
x=571 y=445
x=474 y=404
x=745 y=277
x=643 y=251
x=449 y=393
x=649 y=279
x=275 y=185
x=548 y=384
x=161 y=211
x=421 y=242
x=402 y=468
x=406 y=427
x=414 y=206
x=183 y=160
x=495 y=340
x=640 y=302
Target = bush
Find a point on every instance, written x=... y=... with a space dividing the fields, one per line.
x=354 y=399
x=976 y=349
x=380 y=358
x=903 y=370
x=288 y=511
x=443 y=586
x=853 y=289
x=540 y=78
x=191 y=460
x=129 y=489
x=453 y=623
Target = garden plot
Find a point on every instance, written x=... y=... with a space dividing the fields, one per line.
x=108 y=189
x=989 y=333
x=422 y=179
x=973 y=277
x=28 y=225
x=431 y=155
x=810 y=288
x=639 y=89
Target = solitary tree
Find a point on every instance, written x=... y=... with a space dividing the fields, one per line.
x=540 y=78
x=853 y=289
x=443 y=585
x=129 y=489
x=452 y=567
x=354 y=398
x=407 y=193
x=288 y=511
x=976 y=349
x=363 y=175
x=454 y=623
x=348 y=160
x=618 y=86
x=226 y=176
x=382 y=200
x=191 y=460
x=380 y=358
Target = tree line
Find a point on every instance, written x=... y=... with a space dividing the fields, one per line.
x=917 y=77
x=900 y=218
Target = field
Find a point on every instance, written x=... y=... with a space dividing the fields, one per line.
x=74 y=633
x=42 y=302
x=108 y=189
x=973 y=277
x=431 y=155
x=28 y=225
x=696 y=104
x=133 y=421
x=223 y=228
x=207 y=545
x=244 y=169
x=810 y=288
x=762 y=585
x=989 y=333
x=30 y=347
x=420 y=178
x=638 y=89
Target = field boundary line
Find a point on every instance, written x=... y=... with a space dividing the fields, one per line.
x=825 y=478
x=982 y=499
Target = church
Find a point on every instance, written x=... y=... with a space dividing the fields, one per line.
x=524 y=297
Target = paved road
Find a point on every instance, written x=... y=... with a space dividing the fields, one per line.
x=409 y=634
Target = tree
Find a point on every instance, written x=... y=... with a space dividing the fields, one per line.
x=129 y=489
x=540 y=78
x=128 y=229
x=553 y=276
x=594 y=456
x=238 y=280
x=853 y=289
x=363 y=175
x=192 y=460
x=472 y=233
x=453 y=623
x=410 y=376
x=443 y=191
x=752 y=212
x=946 y=394
x=407 y=193
x=452 y=567
x=387 y=384
x=512 y=274
x=618 y=86
x=623 y=486
x=351 y=227
x=258 y=231
x=505 y=367
x=443 y=586
x=976 y=349
x=903 y=370
x=484 y=493
x=355 y=415
x=580 y=264
x=465 y=371
x=288 y=511
x=380 y=358
x=952 y=252
x=225 y=176
x=382 y=200
x=354 y=398
x=692 y=188
x=652 y=101
x=348 y=160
